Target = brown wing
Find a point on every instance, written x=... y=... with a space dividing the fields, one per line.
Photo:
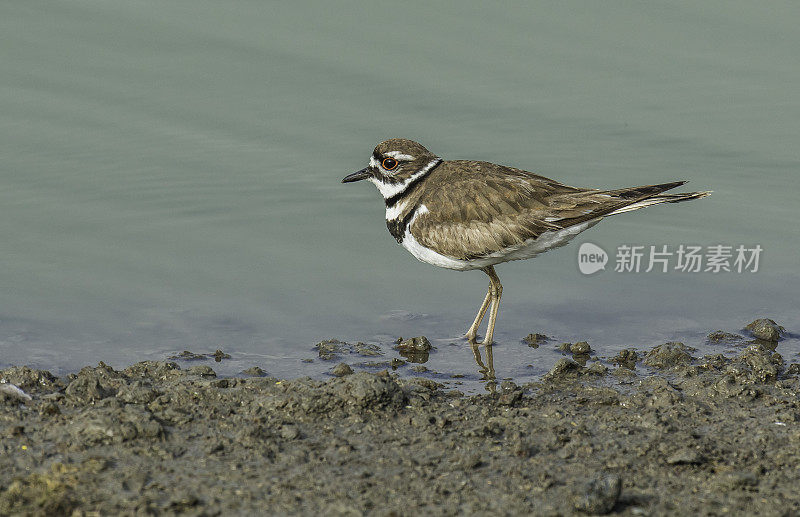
x=482 y=208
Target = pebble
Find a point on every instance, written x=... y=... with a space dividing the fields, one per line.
x=599 y=495
x=342 y=369
x=766 y=329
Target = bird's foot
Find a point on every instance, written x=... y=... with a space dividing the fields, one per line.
x=472 y=339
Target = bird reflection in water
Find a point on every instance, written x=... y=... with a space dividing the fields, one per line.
x=485 y=369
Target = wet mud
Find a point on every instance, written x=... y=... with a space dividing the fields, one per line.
x=650 y=432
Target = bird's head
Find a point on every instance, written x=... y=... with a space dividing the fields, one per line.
x=394 y=163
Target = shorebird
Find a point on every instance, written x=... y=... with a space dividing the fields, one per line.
x=464 y=214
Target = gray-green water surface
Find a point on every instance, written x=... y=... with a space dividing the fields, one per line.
x=169 y=171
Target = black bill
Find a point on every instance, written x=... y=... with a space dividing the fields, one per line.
x=357 y=176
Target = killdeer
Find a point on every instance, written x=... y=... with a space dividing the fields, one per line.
x=465 y=214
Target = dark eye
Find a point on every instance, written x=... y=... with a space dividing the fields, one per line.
x=389 y=164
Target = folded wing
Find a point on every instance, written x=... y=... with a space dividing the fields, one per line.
x=483 y=208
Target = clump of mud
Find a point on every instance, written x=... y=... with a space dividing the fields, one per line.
x=186 y=355
x=626 y=358
x=669 y=355
x=332 y=349
x=766 y=330
x=701 y=435
x=534 y=340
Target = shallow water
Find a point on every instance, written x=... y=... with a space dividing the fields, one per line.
x=170 y=174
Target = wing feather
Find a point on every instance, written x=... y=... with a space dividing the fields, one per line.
x=482 y=208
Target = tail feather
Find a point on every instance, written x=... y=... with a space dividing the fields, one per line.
x=644 y=191
x=663 y=198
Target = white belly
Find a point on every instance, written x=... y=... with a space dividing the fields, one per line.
x=525 y=250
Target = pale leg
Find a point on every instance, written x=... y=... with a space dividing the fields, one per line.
x=496 y=291
x=472 y=333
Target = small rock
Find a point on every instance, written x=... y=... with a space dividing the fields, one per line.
x=363 y=390
x=28 y=379
x=14 y=430
x=95 y=464
x=415 y=345
x=367 y=350
x=736 y=480
x=669 y=355
x=510 y=394
x=87 y=389
x=342 y=369
x=137 y=393
x=598 y=496
x=470 y=461
x=766 y=329
x=396 y=363
x=624 y=374
x=508 y=385
x=581 y=359
x=723 y=337
x=580 y=348
x=373 y=364
x=523 y=449
x=160 y=370
x=685 y=457
x=290 y=432
x=626 y=358
x=756 y=364
x=115 y=426
x=565 y=347
x=415 y=350
x=214 y=447
x=219 y=355
x=188 y=356
x=534 y=340
x=562 y=369
x=426 y=383
x=596 y=368
x=203 y=371
x=329 y=349
x=49 y=408
x=254 y=371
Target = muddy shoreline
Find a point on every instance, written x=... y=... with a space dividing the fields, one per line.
x=658 y=432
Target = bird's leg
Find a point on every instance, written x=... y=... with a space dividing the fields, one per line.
x=496 y=290
x=472 y=333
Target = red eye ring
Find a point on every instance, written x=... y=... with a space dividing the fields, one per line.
x=389 y=164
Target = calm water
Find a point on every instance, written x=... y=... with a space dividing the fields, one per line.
x=170 y=172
